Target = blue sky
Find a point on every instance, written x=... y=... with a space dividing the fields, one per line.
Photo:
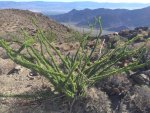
x=129 y=1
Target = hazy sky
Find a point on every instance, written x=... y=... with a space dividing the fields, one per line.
x=129 y=1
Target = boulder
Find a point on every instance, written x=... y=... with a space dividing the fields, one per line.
x=6 y=65
x=3 y=53
x=141 y=79
x=128 y=33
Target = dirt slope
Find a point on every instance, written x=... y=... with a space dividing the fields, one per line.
x=12 y=20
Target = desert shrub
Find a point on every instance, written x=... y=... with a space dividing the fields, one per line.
x=138 y=100
x=97 y=101
x=71 y=75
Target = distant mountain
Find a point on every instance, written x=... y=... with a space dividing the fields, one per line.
x=111 y=18
x=63 y=7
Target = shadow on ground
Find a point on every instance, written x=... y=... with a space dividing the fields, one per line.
x=37 y=102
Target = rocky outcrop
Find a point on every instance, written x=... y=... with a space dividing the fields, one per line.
x=144 y=31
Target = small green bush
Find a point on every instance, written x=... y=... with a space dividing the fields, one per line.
x=79 y=71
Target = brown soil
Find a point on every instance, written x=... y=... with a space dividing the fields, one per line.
x=19 y=84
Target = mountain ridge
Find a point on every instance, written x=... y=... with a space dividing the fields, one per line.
x=110 y=17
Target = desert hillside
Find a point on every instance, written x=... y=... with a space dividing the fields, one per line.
x=13 y=20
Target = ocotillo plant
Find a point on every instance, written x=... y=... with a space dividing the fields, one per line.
x=78 y=72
